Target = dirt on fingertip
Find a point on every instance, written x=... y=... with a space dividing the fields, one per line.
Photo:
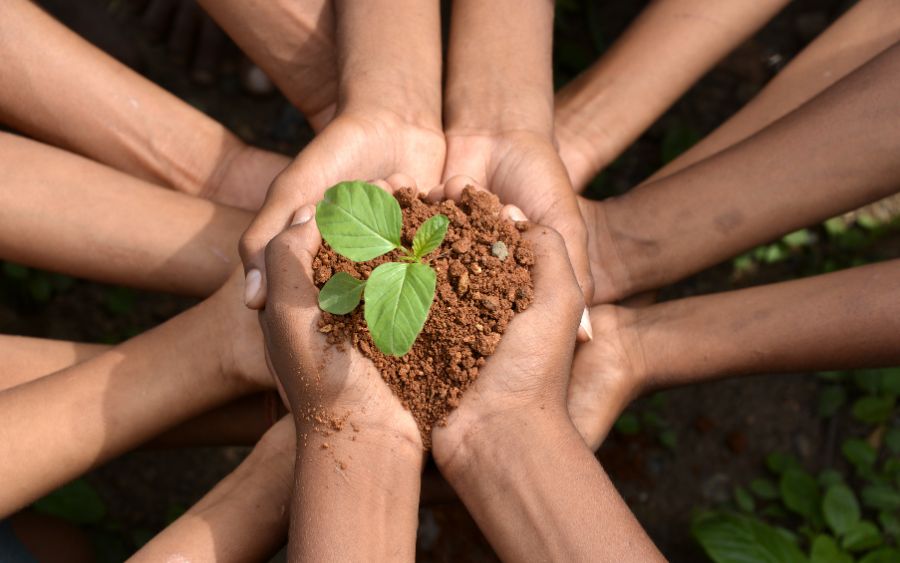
x=483 y=279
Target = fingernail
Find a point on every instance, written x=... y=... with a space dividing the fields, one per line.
x=585 y=330
x=303 y=215
x=516 y=214
x=252 y=285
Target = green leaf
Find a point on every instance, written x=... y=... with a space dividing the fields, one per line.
x=880 y=497
x=890 y=381
x=744 y=499
x=398 y=298
x=868 y=380
x=840 y=508
x=778 y=462
x=764 y=489
x=627 y=424
x=861 y=536
x=831 y=398
x=341 y=294
x=826 y=550
x=859 y=453
x=883 y=555
x=803 y=237
x=360 y=221
x=889 y=523
x=836 y=226
x=430 y=235
x=873 y=410
x=892 y=440
x=800 y=492
x=829 y=477
x=733 y=538
x=77 y=502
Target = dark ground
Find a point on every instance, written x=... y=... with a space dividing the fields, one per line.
x=721 y=431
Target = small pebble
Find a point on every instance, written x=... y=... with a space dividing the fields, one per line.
x=499 y=250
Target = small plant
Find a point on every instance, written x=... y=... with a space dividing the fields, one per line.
x=361 y=222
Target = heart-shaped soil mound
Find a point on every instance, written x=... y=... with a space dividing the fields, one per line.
x=483 y=279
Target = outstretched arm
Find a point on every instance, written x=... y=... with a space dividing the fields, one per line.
x=65 y=213
x=663 y=52
x=244 y=517
x=56 y=87
x=848 y=319
x=55 y=428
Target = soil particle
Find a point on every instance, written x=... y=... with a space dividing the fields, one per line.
x=478 y=293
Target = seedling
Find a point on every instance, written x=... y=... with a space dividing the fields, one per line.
x=361 y=222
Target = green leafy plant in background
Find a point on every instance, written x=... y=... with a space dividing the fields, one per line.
x=833 y=516
x=361 y=222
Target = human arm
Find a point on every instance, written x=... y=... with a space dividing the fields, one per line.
x=842 y=320
x=244 y=517
x=833 y=154
x=499 y=115
x=388 y=118
x=118 y=117
x=667 y=48
x=293 y=42
x=359 y=452
x=55 y=428
x=510 y=451
x=64 y=213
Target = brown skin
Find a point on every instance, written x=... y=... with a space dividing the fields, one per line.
x=356 y=488
x=844 y=320
x=62 y=425
x=499 y=125
x=141 y=129
x=388 y=118
x=64 y=213
x=835 y=153
x=244 y=517
x=493 y=450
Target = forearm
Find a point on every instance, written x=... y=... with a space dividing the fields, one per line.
x=664 y=52
x=835 y=153
x=499 y=67
x=538 y=494
x=116 y=116
x=67 y=214
x=243 y=518
x=848 y=319
x=26 y=358
x=868 y=28
x=389 y=59
x=293 y=42
x=356 y=495
x=61 y=425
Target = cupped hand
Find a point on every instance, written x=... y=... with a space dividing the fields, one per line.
x=321 y=382
x=527 y=376
x=351 y=147
x=607 y=373
x=524 y=169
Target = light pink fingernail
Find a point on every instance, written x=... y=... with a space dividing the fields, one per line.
x=303 y=215
x=252 y=285
x=585 y=326
x=516 y=214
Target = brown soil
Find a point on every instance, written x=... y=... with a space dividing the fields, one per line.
x=481 y=285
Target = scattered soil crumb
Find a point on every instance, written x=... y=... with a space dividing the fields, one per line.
x=478 y=293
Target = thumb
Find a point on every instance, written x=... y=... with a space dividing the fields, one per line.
x=288 y=262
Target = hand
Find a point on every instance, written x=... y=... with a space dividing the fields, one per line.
x=237 y=336
x=524 y=169
x=243 y=175
x=353 y=146
x=612 y=282
x=527 y=377
x=321 y=383
x=607 y=374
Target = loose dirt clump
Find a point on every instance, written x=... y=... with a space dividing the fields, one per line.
x=483 y=280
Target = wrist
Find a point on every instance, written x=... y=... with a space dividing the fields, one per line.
x=470 y=439
x=610 y=264
x=489 y=109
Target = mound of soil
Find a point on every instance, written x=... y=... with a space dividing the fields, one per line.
x=483 y=280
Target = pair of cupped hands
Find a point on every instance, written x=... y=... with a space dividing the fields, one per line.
x=532 y=371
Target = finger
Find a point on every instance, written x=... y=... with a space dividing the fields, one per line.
x=382 y=184
x=400 y=180
x=557 y=296
x=513 y=213
x=565 y=217
x=289 y=258
x=453 y=187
